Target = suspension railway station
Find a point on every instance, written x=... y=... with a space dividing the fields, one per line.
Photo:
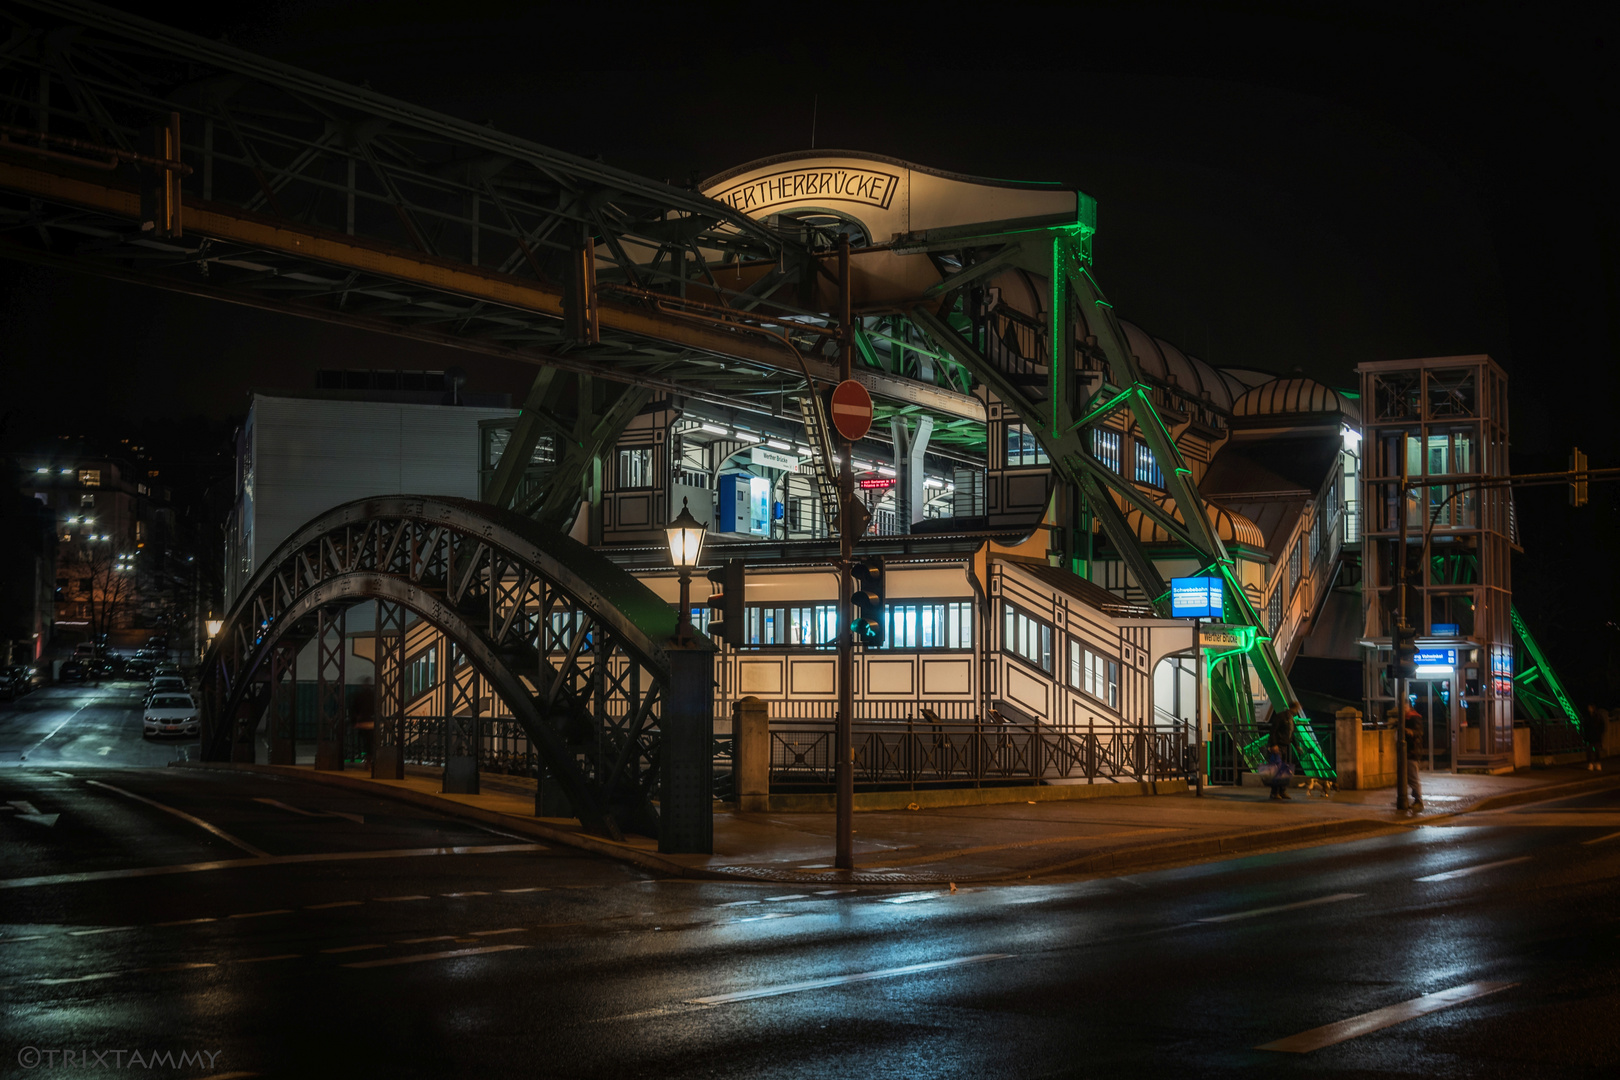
x=1044 y=480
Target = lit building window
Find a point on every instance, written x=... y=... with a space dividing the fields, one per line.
x=1094 y=674
x=90 y=477
x=635 y=468
x=1105 y=448
x=1147 y=470
x=1022 y=446
x=927 y=625
x=1026 y=637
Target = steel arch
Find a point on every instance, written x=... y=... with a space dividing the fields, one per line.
x=572 y=644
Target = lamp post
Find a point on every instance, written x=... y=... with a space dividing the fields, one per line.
x=686 y=536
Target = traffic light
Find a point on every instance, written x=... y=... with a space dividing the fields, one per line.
x=1578 y=481
x=1404 y=642
x=726 y=597
x=867 y=600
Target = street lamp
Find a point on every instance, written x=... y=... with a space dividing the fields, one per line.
x=214 y=626
x=686 y=535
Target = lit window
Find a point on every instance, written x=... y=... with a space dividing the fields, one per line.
x=1105 y=448
x=635 y=468
x=1026 y=637
x=928 y=625
x=1022 y=446
x=1094 y=674
x=90 y=477
x=1147 y=470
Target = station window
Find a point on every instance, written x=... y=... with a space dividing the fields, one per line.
x=813 y=625
x=564 y=625
x=1105 y=448
x=1147 y=470
x=1022 y=446
x=1094 y=674
x=1026 y=637
x=929 y=625
x=422 y=673
x=1274 y=610
x=635 y=468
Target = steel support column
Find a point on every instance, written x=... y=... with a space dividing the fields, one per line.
x=463 y=729
x=388 y=739
x=331 y=711
x=686 y=754
x=283 y=731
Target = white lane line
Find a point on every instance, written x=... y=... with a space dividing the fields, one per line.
x=1378 y=1019
x=771 y=915
x=283 y=806
x=30 y=937
x=58 y=772
x=396 y=899
x=449 y=955
x=267 y=959
x=257 y=914
x=172 y=967
x=841 y=980
x=1451 y=875
x=1252 y=912
x=80 y=978
x=425 y=940
x=353 y=948
x=55 y=729
x=98 y=930
x=531 y=888
x=1599 y=840
x=269 y=860
x=737 y=903
x=492 y=933
x=789 y=896
x=458 y=895
x=333 y=904
x=188 y=922
x=910 y=897
x=182 y=815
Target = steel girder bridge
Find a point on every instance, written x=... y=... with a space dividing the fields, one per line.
x=146 y=154
x=580 y=651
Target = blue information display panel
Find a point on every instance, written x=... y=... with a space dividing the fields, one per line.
x=1436 y=658
x=1197 y=598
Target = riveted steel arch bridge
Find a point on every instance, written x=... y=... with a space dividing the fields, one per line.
x=575 y=647
x=145 y=154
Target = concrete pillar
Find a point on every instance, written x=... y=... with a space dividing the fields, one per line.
x=1347 y=748
x=909 y=448
x=751 y=753
x=686 y=751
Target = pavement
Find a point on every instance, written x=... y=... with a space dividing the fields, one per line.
x=1050 y=840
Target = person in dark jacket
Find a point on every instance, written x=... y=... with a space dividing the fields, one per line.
x=1593 y=729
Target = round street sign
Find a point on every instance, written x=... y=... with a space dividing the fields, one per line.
x=851 y=410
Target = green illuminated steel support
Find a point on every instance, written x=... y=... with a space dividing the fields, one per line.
x=1540 y=704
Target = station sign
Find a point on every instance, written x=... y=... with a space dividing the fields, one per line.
x=875 y=483
x=1436 y=658
x=772 y=459
x=1197 y=598
x=1221 y=636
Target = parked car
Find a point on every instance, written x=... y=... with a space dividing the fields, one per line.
x=74 y=671
x=17 y=680
x=169 y=714
x=138 y=668
x=166 y=684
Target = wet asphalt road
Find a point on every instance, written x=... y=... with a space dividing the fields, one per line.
x=317 y=932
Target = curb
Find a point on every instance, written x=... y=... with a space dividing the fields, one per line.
x=594 y=844
x=1543 y=794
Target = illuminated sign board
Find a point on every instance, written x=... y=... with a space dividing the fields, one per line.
x=773 y=460
x=876 y=483
x=834 y=183
x=1197 y=598
x=1445 y=658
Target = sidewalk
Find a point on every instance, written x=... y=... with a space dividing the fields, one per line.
x=1003 y=842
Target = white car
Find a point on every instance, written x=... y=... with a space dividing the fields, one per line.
x=170 y=713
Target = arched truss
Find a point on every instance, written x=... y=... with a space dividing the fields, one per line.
x=573 y=645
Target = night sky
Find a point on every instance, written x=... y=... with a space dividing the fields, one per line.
x=1276 y=190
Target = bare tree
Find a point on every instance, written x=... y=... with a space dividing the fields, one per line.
x=104 y=581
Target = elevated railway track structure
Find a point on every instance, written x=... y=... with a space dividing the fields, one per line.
x=146 y=154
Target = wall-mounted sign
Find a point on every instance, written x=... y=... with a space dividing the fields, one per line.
x=872 y=187
x=1197 y=598
x=1217 y=636
x=1441 y=658
x=875 y=483
x=771 y=459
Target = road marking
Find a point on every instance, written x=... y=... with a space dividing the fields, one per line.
x=188 y=922
x=450 y=955
x=333 y=904
x=738 y=903
x=353 y=948
x=283 y=806
x=1378 y=1019
x=268 y=860
x=81 y=978
x=458 y=895
x=30 y=937
x=492 y=933
x=98 y=930
x=256 y=914
x=27 y=811
x=531 y=888
x=104 y=751
x=358 y=819
x=53 y=731
x=425 y=940
x=910 y=897
x=396 y=899
x=770 y=915
x=267 y=959
x=58 y=772
x=1450 y=875
x=216 y=830
x=1599 y=840
x=840 y=980
x=171 y=967
x=1252 y=912
x=789 y=896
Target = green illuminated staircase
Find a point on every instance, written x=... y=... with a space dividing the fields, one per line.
x=1537 y=687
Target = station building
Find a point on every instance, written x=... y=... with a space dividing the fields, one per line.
x=989 y=613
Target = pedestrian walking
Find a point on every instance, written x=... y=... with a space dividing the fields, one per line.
x=1411 y=730
x=1593 y=730
x=1276 y=772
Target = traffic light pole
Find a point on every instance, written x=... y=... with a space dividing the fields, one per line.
x=1398 y=636
x=844 y=742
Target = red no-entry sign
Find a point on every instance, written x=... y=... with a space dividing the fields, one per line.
x=851 y=410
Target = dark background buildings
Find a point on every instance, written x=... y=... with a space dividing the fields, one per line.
x=1280 y=186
